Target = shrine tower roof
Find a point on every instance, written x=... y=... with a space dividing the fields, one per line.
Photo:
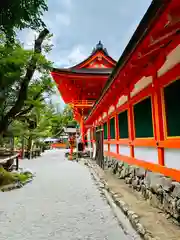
x=86 y=79
x=99 y=54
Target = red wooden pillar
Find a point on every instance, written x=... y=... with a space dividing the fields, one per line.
x=82 y=129
x=108 y=131
x=130 y=125
x=117 y=132
x=92 y=138
x=158 y=118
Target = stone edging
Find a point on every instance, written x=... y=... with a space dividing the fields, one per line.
x=133 y=218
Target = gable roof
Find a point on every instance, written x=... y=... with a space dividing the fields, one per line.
x=98 y=50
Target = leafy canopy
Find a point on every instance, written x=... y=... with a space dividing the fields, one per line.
x=14 y=62
x=19 y=14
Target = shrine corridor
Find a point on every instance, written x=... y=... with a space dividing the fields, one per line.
x=61 y=203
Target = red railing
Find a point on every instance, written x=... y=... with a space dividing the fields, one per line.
x=88 y=103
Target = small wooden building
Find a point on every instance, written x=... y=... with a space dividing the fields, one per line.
x=136 y=100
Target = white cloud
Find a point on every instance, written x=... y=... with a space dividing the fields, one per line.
x=63 y=19
x=27 y=38
x=67 y=3
x=76 y=55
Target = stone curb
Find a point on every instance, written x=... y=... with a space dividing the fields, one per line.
x=133 y=218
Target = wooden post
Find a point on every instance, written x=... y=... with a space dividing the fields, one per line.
x=158 y=118
x=130 y=125
x=117 y=132
x=82 y=129
x=108 y=131
x=17 y=163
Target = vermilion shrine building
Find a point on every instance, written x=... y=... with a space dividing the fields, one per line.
x=136 y=101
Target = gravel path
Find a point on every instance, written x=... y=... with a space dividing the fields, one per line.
x=61 y=203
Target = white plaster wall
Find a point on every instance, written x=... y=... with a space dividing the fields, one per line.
x=172 y=59
x=94 y=152
x=106 y=147
x=147 y=154
x=113 y=148
x=89 y=138
x=141 y=84
x=172 y=158
x=121 y=101
x=124 y=150
x=111 y=109
x=104 y=115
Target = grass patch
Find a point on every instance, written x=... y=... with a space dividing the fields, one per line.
x=10 y=177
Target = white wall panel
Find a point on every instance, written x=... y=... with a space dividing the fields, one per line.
x=94 y=150
x=147 y=154
x=172 y=158
x=89 y=138
x=124 y=150
x=172 y=59
x=106 y=147
x=113 y=148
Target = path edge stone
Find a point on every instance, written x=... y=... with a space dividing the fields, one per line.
x=133 y=217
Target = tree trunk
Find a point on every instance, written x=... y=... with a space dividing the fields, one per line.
x=29 y=147
x=23 y=144
x=12 y=144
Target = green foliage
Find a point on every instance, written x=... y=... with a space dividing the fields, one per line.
x=63 y=119
x=6 y=177
x=19 y=14
x=10 y=177
x=21 y=177
x=15 y=63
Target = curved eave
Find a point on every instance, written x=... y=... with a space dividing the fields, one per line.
x=92 y=56
x=66 y=80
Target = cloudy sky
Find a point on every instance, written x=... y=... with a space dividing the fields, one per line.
x=77 y=26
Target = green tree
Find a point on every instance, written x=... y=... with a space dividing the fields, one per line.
x=19 y=14
x=17 y=67
x=33 y=125
x=63 y=119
